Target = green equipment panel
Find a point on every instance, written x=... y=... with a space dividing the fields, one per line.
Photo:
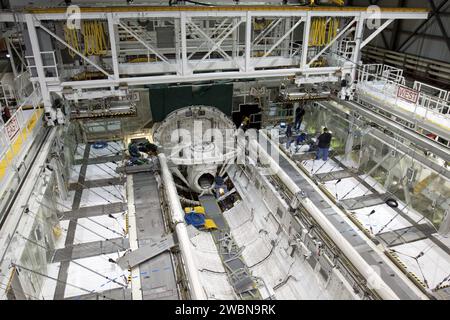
x=165 y=99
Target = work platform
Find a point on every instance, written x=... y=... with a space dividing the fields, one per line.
x=343 y=225
x=157 y=273
x=359 y=202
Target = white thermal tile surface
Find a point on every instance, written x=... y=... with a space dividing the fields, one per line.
x=211 y=270
x=110 y=150
x=320 y=166
x=381 y=219
x=49 y=285
x=79 y=152
x=102 y=195
x=434 y=264
x=99 y=228
x=346 y=189
x=91 y=281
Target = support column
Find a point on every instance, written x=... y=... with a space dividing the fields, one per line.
x=305 y=44
x=11 y=57
x=184 y=59
x=357 y=53
x=350 y=139
x=49 y=112
x=287 y=42
x=234 y=53
x=112 y=40
x=248 y=41
x=444 y=228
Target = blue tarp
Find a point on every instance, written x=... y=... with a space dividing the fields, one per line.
x=196 y=219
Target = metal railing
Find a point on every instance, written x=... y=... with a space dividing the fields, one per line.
x=386 y=81
x=50 y=69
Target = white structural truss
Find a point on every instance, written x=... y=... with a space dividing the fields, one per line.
x=153 y=45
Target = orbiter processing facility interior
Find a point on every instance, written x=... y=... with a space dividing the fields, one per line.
x=225 y=150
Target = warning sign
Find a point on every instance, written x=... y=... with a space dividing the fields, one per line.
x=12 y=127
x=408 y=94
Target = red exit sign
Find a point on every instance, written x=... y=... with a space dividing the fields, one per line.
x=408 y=94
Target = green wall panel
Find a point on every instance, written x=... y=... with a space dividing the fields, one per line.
x=165 y=99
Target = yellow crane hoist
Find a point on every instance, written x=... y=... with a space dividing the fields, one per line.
x=93 y=35
x=94 y=38
x=323 y=30
x=71 y=36
x=338 y=2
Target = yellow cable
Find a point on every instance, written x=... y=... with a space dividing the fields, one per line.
x=316 y=32
x=103 y=39
x=324 y=31
x=71 y=37
x=95 y=38
x=330 y=32
x=320 y=31
x=311 y=33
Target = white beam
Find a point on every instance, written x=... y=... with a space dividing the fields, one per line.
x=332 y=41
x=11 y=57
x=38 y=61
x=236 y=11
x=208 y=39
x=358 y=39
x=248 y=41
x=112 y=41
x=205 y=42
x=135 y=81
x=184 y=58
x=219 y=42
x=266 y=31
x=74 y=50
x=145 y=44
x=376 y=32
x=305 y=44
x=283 y=37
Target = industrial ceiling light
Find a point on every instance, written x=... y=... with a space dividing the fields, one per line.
x=8 y=55
x=130 y=1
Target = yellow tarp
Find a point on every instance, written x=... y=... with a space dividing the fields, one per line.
x=210 y=224
x=198 y=209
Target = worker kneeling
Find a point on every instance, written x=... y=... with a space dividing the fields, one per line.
x=323 y=145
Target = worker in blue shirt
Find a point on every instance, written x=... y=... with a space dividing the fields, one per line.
x=323 y=145
x=288 y=135
x=299 y=113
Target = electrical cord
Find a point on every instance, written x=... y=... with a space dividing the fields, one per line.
x=264 y=259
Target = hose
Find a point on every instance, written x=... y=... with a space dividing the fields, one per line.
x=94 y=38
x=71 y=37
x=189 y=201
x=323 y=31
